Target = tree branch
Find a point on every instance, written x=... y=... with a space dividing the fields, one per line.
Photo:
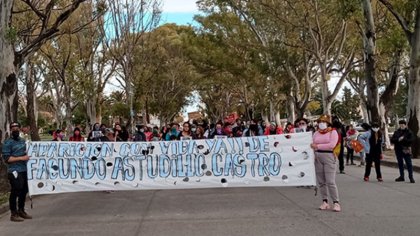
x=401 y=20
x=47 y=33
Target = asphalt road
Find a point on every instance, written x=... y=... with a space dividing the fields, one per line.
x=373 y=208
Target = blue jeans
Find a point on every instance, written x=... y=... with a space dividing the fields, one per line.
x=401 y=157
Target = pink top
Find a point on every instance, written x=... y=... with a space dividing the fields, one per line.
x=326 y=142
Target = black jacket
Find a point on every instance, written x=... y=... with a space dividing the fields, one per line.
x=375 y=145
x=408 y=138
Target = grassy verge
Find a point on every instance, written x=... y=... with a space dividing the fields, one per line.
x=4 y=197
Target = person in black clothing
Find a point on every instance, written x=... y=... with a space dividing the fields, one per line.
x=375 y=153
x=95 y=134
x=402 y=140
x=109 y=135
x=342 y=133
x=238 y=129
x=140 y=136
x=121 y=133
x=218 y=131
x=252 y=130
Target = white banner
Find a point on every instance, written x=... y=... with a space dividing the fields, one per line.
x=278 y=160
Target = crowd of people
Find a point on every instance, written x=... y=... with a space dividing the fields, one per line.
x=330 y=138
x=188 y=130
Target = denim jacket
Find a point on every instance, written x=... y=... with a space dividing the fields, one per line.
x=14 y=148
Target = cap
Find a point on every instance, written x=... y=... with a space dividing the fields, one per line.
x=14 y=124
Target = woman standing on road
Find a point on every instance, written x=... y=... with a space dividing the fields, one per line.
x=351 y=135
x=324 y=142
x=372 y=142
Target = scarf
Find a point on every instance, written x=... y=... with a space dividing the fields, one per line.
x=329 y=129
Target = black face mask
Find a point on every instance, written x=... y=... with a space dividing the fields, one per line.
x=15 y=135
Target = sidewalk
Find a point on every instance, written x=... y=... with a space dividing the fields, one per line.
x=391 y=161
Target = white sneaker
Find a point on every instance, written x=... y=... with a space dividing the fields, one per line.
x=324 y=206
x=337 y=207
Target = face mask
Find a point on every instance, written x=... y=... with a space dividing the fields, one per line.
x=173 y=130
x=193 y=129
x=142 y=130
x=219 y=131
x=15 y=134
x=323 y=126
x=375 y=129
x=303 y=127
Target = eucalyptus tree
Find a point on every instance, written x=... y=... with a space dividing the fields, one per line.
x=127 y=22
x=50 y=16
x=407 y=14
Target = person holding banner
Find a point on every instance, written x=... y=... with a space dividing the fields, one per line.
x=15 y=156
x=218 y=131
x=186 y=132
x=77 y=136
x=324 y=142
x=173 y=133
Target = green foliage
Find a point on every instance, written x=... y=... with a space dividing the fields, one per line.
x=350 y=106
x=11 y=34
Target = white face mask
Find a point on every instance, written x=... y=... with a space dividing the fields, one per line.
x=142 y=130
x=322 y=126
x=375 y=129
x=193 y=129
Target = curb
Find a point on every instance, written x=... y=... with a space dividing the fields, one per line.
x=395 y=165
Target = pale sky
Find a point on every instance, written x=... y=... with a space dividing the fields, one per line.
x=179 y=6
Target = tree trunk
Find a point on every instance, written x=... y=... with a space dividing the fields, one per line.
x=388 y=96
x=91 y=110
x=278 y=118
x=31 y=104
x=291 y=108
x=326 y=104
x=369 y=42
x=413 y=108
x=363 y=107
x=384 y=122
x=99 y=103
x=8 y=78
x=68 y=118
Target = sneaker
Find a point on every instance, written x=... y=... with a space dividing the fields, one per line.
x=353 y=164
x=24 y=215
x=366 y=179
x=380 y=180
x=324 y=206
x=342 y=172
x=16 y=218
x=337 y=207
x=412 y=181
x=399 y=179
